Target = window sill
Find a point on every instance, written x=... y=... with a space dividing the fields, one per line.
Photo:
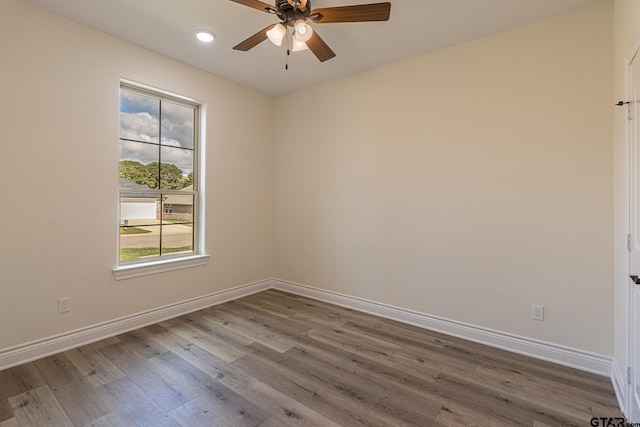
x=145 y=269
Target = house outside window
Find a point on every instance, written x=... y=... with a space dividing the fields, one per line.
x=158 y=183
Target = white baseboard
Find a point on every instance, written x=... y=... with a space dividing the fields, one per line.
x=45 y=347
x=619 y=385
x=541 y=350
x=566 y=356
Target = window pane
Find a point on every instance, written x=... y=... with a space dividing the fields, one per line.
x=137 y=163
x=177 y=164
x=177 y=125
x=177 y=224
x=140 y=226
x=157 y=144
x=139 y=117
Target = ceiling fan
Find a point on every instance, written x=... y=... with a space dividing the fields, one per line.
x=295 y=14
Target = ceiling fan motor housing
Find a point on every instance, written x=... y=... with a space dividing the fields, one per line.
x=289 y=14
x=290 y=3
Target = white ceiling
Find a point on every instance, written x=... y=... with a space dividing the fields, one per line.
x=415 y=27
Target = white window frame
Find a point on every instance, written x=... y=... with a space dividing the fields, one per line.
x=197 y=257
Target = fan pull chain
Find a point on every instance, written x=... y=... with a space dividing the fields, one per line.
x=286 y=63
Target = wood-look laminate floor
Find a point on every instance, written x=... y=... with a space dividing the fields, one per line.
x=276 y=359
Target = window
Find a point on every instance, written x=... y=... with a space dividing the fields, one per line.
x=158 y=177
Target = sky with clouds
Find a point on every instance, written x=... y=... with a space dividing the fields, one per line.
x=148 y=122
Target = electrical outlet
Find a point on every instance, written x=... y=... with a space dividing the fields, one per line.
x=64 y=305
x=537 y=312
x=290 y=265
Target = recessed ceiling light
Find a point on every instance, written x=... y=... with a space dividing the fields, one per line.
x=205 y=36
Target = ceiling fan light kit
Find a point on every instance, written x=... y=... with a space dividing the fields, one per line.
x=299 y=46
x=276 y=34
x=296 y=13
x=302 y=31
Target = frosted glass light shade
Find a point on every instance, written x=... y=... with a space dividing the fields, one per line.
x=299 y=46
x=302 y=31
x=276 y=34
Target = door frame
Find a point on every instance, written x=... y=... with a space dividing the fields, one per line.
x=631 y=409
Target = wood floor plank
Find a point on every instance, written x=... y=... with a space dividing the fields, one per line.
x=225 y=402
x=466 y=398
x=75 y=394
x=537 y=423
x=271 y=422
x=261 y=334
x=321 y=350
x=408 y=357
x=201 y=338
x=355 y=343
x=401 y=336
x=285 y=326
x=402 y=382
x=563 y=374
x=17 y=380
x=131 y=404
x=316 y=322
x=400 y=397
x=112 y=419
x=165 y=393
x=11 y=422
x=336 y=375
x=475 y=352
x=93 y=365
x=458 y=415
x=395 y=411
x=279 y=359
x=311 y=309
x=550 y=397
x=285 y=330
x=240 y=321
x=286 y=411
x=39 y=407
x=561 y=387
x=319 y=396
x=105 y=342
x=214 y=327
x=257 y=304
x=198 y=413
x=605 y=411
x=139 y=342
x=228 y=312
x=208 y=363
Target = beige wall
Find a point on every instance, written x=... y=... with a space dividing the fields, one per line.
x=59 y=163
x=626 y=29
x=469 y=183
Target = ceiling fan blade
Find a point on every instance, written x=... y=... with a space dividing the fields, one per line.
x=357 y=13
x=257 y=5
x=254 y=40
x=319 y=48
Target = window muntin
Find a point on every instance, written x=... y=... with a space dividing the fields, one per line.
x=158 y=186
